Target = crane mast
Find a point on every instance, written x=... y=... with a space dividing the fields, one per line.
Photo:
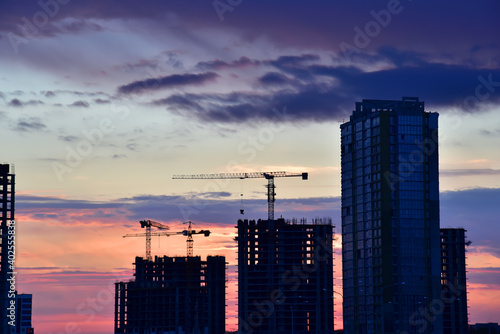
x=269 y=176
x=147 y=224
x=189 y=240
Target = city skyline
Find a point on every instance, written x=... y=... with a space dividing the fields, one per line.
x=102 y=103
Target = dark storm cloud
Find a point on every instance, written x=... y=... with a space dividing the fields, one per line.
x=319 y=92
x=429 y=69
x=241 y=107
x=313 y=102
x=438 y=84
x=170 y=81
x=232 y=107
x=286 y=23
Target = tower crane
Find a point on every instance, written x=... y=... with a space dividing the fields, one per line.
x=189 y=233
x=148 y=223
x=269 y=176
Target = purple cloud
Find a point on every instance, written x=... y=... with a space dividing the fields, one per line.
x=15 y=103
x=242 y=62
x=273 y=79
x=170 y=81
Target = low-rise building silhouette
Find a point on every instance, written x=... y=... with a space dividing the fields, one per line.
x=173 y=295
x=454 y=281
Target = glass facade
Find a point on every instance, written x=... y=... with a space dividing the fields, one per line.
x=390 y=217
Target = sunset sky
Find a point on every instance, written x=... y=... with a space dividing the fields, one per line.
x=102 y=102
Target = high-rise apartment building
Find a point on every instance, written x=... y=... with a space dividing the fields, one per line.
x=7 y=293
x=173 y=295
x=285 y=276
x=454 y=281
x=391 y=261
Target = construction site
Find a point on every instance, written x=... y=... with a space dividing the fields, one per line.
x=285 y=277
x=172 y=294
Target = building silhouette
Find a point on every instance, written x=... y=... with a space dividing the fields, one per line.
x=453 y=280
x=7 y=293
x=16 y=309
x=484 y=328
x=285 y=276
x=173 y=295
x=24 y=306
x=391 y=261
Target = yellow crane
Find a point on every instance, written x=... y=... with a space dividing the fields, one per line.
x=269 y=176
x=151 y=223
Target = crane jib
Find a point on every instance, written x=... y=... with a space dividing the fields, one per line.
x=269 y=176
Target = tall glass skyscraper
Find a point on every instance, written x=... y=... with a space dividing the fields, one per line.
x=390 y=219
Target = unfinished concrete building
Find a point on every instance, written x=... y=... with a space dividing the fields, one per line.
x=285 y=276
x=173 y=295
